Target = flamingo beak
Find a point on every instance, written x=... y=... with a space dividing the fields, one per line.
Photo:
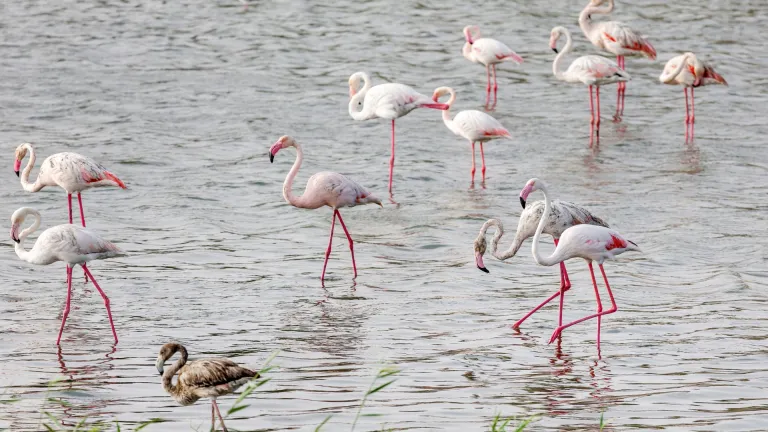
x=554 y=49
x=274 y=149
x=479 y=262
x=524 y=194
x=16 y=167
x=522 y=202
x=14 y=237
x=159 y=366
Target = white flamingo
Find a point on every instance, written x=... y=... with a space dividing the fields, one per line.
x=591 y=70
x=616 y=38
x=388 y=101
x=69 y=243
x=323 y=189
x=474 y=126
x=487 y=52
x=590 y=242
x=690 y=72
x=563 y=216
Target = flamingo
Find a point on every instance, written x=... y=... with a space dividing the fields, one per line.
x=204 y=378
x=69 y=243
x=488 y=52
x=564 y=216
x=616 y=38
x=323 y=189
x=473 y=125
x=590 y=242
x=591 y=70
x=690 y=72
x=388 y=101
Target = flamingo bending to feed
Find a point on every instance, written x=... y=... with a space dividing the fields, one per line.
x=323 y=189
x=563 y=216
x=591 y=70
x=488 y=52
x=69 y=243
x=616 y=38
x=475 y=126
x=204 y=378
x=690 y=72
x=590 y=242
x=388 y=101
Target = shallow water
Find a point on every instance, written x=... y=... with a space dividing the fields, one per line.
x=182 y=99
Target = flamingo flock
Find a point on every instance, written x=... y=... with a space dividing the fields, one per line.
x=576 y=231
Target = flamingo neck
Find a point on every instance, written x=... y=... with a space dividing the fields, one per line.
x=446 y=113
x=559 y=74
x=540 y=259
x=513 y=248
x=585 y=18
x=358 y=98
x=32 y=255
x=171 y=371
x=288 y=184
x=466 y=51
x=669 y=78
x=30 y=187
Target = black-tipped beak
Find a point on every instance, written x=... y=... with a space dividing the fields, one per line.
x=17 y=173
x=16 y=240
x=271 y=157
x=522 y=202
x=555 y=50
x=161 y=374
x=483 y=269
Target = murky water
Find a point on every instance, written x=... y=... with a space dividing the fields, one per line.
x=182 y=99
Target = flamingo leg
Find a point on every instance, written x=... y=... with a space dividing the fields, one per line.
x=591 y=107
x=495 y=87
x=563 y=288
x=69 y=204
x=392 y=157
x=693 y=114
x=351 y=244
x=104 y=296
x=330 y=242
x=213 y=417
x=488 y=86
x=66 y=306
x=82 y=218
x=215 y=405
x=597 y=116
x=473 y=161
x=565 y=285
x=600 y=312
x=482 y=158
x=623 y=88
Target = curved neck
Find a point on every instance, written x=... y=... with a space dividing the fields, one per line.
x=446 y=113
x=171 y=371
x=585 y=19
x=359 y=98
x=513 y=248
x=22 y=253
x=288 y=183
x=466 y=51
x=566 y=49
x=667 y=79
x=29 y=187
x=542 y=260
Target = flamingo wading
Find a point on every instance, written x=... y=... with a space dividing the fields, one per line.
x=204 y=378
x=323 y=189
x=563 y=216
x=69 y=243
x=590 y=242
x=387 y=101
x=487 y=52
x=690 y=72
x=616 y=38
x=592 y=70
x=474 y=126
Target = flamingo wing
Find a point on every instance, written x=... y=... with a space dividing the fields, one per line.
x=214 y=372
x=620 y=39
x=393 y=100
x=73 y=244
x=562 y=216
x=478 y=126
x=489 y=51
x=591 y=69
x=339 y=190
x=595 y=242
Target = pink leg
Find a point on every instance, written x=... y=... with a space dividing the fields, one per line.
x=693 y=114
x=351 y=244
x=330 y=242
x=613 y=308
x=473 y=161
x=597 y=117
x=69 y=200
x=623 y=88
x=66 y=307
x=495 y=88
x=591 y=107
x=565 y=285
x=482 y=157
x=488 y=86
x=392 y=157
x=106 y=300
x=549 y=299
x=82 y=218
x=213 y=417
x=215 y=405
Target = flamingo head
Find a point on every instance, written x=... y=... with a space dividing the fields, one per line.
x=480 y=246
x=354 y=83
x=471 y=33
x=440 y=92
x=533 y=185
x=554 y=36
x=283 y=142
x=167 y=351
x=696 y=67
x=21 y=153
x=16 y=220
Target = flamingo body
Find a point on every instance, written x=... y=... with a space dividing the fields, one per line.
x=619 y=39
x=594 y=70
x=682 y=70
x=487 y=52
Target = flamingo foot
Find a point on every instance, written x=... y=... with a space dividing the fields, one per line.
x=556 y=334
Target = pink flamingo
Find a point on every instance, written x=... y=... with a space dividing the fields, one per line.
x=690 y=72
x=488 y=52
x=590 y=242
x=473 y=125
x=564 y=216
x=323 y=189
x=591 y=70
x=69 y=243
x=616 y=38
x=388 y=101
